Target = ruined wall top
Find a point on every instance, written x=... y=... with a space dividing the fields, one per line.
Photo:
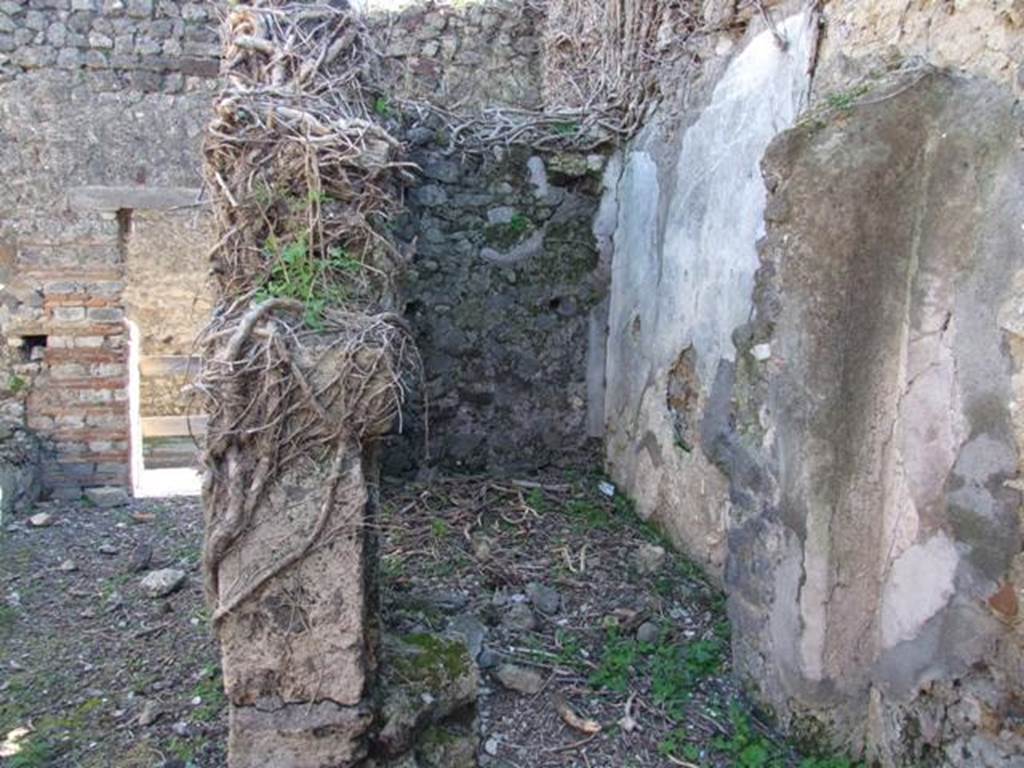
x=149 y=45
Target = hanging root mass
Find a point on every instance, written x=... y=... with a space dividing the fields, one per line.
x=304 y=360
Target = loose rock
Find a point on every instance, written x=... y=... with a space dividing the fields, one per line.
x=521 y=679
x=41 y=520
x=545 y=598
x=471 y=628
x=520 y=617
x=140 y=558
x=648 y=632
x=151 y=712
x=107 y=498
x=68 y=566
x=163 y=582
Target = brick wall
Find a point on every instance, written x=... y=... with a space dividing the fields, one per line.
x=102 y=104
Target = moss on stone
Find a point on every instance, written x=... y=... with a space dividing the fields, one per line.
x=507 y=234
x=431 y=660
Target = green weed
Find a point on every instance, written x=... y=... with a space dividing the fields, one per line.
x=619 y=661
x=210 y=689
x=382 y=106
x=8 y=618
x=592 y=514
x=34 y=751
x=297 y=273
x=535 y=500
x=844 y=101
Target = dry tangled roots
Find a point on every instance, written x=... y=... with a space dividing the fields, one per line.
x=279 y=393
x=303 y=361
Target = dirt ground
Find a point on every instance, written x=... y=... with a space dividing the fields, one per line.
x=578 y=610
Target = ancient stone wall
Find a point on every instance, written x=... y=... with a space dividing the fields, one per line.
x=506 y=277
x=102 y=110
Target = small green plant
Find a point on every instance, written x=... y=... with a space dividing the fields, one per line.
x=8 y=617
x=439 y=528
x=745 y=747
x=298 y=274
x=570 y=650
x=618 y=663
x=34 y=751
x=518 y=224
x=591 y=513
x=382 y=106
x=210 y=690
x=844 y=101
x=567 y=128
x=535 y=501
x=15 y=384
x=677 y=744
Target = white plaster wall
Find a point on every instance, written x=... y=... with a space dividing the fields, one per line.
x=683 y=273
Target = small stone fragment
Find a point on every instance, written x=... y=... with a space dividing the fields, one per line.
x=520 y=679
x=648 y=559
x=140 y=558
x=107 y=549
x=544 y=597
x=491 y=746
x=68 y=566
x=151 y=712
x=520 y=617
x=163 y=582
x=41 y=520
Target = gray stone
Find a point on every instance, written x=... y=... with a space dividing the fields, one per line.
x=503 y=214
x=442 y=170
x=648 y=632
x=424 y=680
x=472 y=630
x=163 y=582
x=430 y=195
x=140 y=558
x=520 y=679
x=68 y=566
x=546 y=599
x=107 y=498
x=489 y=659
x=519 y=617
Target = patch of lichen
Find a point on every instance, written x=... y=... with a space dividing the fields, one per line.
x=430 y=661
